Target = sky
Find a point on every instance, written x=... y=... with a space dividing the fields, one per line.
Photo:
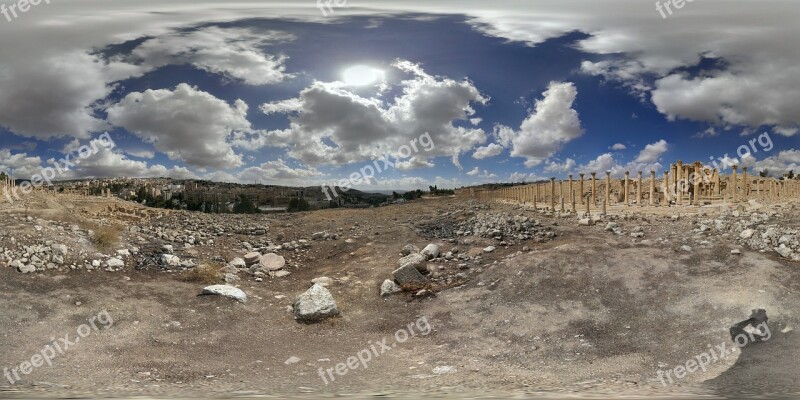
x=396 y=94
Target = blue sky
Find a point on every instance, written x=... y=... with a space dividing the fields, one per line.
x=518 y=93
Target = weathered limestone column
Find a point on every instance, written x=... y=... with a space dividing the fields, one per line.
x=745 y=186
x=625 y=189
x=574 y=205
x=581 y=188
x=571 y=193
x=666 y=187
x=594 y=189
x=561 y=193
x=652 y=188
x=639 y=191
x=733 y=186
x=608 y=188
x=679 y=186
x=697 y=171
x=553 y=194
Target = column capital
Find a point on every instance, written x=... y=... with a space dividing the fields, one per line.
x=735 y=167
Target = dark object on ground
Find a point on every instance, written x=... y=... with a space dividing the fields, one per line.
x=754 y=329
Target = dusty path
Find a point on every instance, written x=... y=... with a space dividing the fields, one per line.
x=589 y=312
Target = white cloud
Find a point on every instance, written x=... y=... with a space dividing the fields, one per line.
x=330 y=124
x=566 y=167
x=652 y=152
x=276 y=172
x=550 y=125
x=618 y=146
x=491 y=150
x=187 y=124
x=232 y=52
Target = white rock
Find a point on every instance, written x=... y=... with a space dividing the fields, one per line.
x=431 y=250
x=488 y=249
x=416 y=260
x=226 y=291
x=389 y=287
x=237 y=263
x=292 y=360
x=586 y=222
x=747 y=234
x=114 y=262
x=315 y=304
x=170 y=260
x=686 y=248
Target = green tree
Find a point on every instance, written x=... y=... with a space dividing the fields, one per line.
x=298 y=204
x=244 y=206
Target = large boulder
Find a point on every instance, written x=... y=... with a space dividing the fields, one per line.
x=408 y=275
x=315 y=304
x=225 y=291
x=271 y=262
x=114 y=262
x=414 y=260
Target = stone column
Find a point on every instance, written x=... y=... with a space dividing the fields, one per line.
x=561 y=193
x=625 y=189
x=570 y=196
x=698 y=169
x=733 y=186
x=666 y=187
x=679 y=186
x=594 y=189
x=652 y=188
x=639 y=191
x=553 y=194
x=581 y=188
x=608 y=188
x=745 y=186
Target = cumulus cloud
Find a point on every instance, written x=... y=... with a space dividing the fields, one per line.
x=551 y=124
x=618 y=146
x=493 y=149
x=187 y=124
x=567 y=166
x=232 y=52
x=329 y=124
x=276 y=171
x=652 y=152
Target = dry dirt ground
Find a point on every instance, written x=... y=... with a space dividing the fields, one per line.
x=589 y=313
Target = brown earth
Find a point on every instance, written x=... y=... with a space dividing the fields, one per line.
x=589 y=313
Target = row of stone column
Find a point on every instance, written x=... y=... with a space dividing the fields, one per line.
x=681 y=185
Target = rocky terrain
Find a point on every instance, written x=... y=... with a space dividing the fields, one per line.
x=519 y=301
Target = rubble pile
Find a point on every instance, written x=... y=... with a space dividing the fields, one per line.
x=503 y=226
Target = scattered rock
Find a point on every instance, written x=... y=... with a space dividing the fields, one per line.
x=225 y=291
x=315 y=304
x=408 y=275
x=271 y=262
x=389 y=287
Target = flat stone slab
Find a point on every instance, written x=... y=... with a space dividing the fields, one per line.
x=226 y=291
x=272 y=262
